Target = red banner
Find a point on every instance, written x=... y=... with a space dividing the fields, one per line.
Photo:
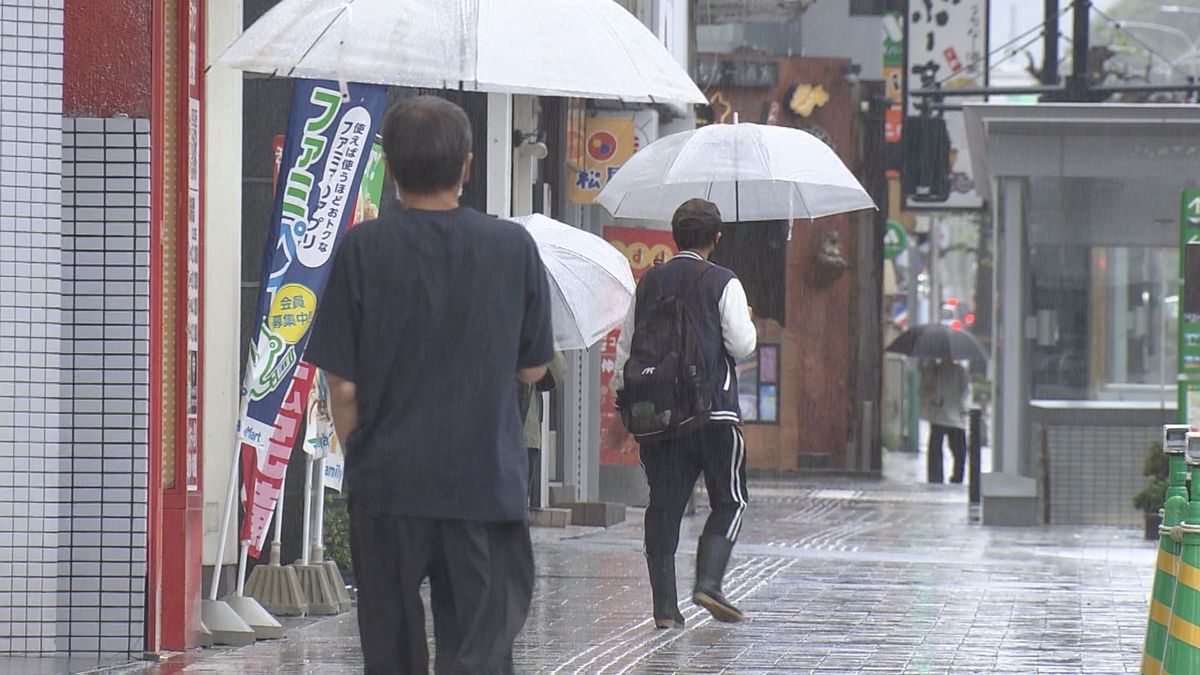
x=644 y=249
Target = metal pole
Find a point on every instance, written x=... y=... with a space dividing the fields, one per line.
x=226 y=517
x=1077 y=83
x=975 y=448
x=1050 y=46
x=306 y=537
x=913 y=421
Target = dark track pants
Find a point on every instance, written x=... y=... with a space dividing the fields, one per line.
x=672 y=467
x=481 y=583
x=958 y=448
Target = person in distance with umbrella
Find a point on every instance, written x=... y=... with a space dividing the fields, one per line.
x=945 y=397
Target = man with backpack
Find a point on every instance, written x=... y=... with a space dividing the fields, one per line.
x=677 y=390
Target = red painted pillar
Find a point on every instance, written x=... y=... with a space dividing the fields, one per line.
x=143 y=59
x=176 y=498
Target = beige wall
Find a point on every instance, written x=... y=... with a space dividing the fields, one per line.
x=222 y=269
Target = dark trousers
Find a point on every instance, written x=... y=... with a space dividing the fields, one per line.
x=672 y=467
x=480 y=579
x=535 y=478
x=958 y=447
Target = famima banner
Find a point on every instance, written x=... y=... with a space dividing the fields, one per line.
x=329 y=144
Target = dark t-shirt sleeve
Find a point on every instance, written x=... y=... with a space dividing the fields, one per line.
x=333 y=344
x=537 y=334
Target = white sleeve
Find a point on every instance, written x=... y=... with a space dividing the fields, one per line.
x=737 y=328
x=623 y=344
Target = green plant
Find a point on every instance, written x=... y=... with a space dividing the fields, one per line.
x=337 y=531
x=1155 y=467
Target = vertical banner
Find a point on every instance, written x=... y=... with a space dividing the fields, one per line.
x=320 y=438
x=893 y=75
x=1189 y=308
x=643 y=249
x=597 y=146
x=328 y=145
x=947 y=45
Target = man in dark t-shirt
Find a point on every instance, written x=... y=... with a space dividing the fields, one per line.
x=428 y=315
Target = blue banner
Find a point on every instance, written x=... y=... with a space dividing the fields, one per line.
x=325 y=153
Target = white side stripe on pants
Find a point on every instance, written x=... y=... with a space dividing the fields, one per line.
x=737 y=457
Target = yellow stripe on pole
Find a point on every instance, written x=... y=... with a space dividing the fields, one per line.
x=1167 y=562
x=1185 y=631
x=1188 y=575
x=1151 y=665
x=1160 y=613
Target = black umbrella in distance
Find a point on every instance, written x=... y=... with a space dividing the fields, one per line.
x=938 y=341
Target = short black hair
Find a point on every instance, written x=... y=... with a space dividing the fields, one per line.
x=426 y=140
x=696 y=224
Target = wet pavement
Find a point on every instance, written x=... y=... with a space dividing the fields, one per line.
x=837 y=575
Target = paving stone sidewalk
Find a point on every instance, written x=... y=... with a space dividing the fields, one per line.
x=837 y=575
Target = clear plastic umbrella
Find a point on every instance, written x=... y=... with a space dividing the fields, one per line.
x=590 y=281
x=750 y=171
x=584 y=48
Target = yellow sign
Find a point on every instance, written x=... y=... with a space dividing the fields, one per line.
x=806 y=98
x=595 y=152
x=292 y=311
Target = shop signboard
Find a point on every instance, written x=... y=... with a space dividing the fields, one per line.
x=597 y=146
x=1189 y=308
x=895 y=240
x=893 y=75
x=644 y=249
x=329 y=143
x=947 y=46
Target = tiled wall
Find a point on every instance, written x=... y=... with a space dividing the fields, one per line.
x=32 y=501
x=106 y=263
x=74 y=265
x=1095 y=471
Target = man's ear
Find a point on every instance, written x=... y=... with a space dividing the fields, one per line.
x=466 y=172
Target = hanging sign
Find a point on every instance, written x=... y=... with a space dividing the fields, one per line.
x=946 y=42
x=596 y=147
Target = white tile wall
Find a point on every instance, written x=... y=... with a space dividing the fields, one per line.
x=74 y=270
x=105 y=314
x=31 y=342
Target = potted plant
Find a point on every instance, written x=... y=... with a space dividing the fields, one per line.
x=1150 y=499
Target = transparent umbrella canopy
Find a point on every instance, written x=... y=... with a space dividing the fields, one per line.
x=583 y=48
x=750 y=171
x=591 y=285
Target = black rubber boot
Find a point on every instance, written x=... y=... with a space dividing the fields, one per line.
x=711 y=559
x=662 y=586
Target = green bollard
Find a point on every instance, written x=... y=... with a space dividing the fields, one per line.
x=1182 y=654
x=1175 y=510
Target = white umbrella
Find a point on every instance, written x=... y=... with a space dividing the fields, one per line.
x=750 y=171
x=584 y=48
x=590 y=281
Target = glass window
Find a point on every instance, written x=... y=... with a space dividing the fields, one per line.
x=1103 y=322
x=867 y=7
x=758 y=385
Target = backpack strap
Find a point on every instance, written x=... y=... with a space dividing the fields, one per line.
x=690 y=281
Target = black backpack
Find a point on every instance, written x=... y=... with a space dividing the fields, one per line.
x=667 y=391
